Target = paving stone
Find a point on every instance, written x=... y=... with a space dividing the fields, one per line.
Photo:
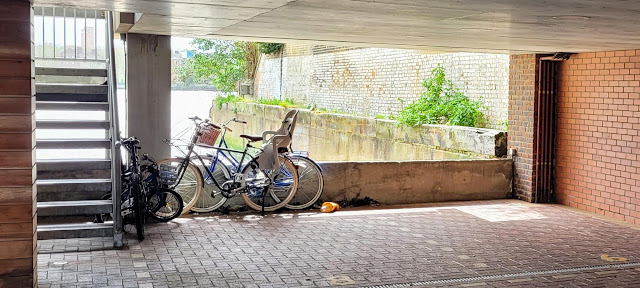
x=306 y=249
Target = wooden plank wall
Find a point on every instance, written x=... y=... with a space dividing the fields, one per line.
x=18 y=256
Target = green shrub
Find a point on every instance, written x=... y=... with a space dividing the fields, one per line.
x=442 y=103
x=286 y=103
x=269 y=48
x=221 y=100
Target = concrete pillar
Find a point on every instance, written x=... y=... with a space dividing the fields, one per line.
x=149 y=92
x=18 y=256
x=522 y=108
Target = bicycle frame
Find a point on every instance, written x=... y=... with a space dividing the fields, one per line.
x=235 y=164
x=187 y=159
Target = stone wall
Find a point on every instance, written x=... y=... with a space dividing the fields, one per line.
x=339 y=137
x=369 y=81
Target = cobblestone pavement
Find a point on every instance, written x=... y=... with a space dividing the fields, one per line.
x=466 y=244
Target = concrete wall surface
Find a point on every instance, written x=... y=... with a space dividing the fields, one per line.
x=372 y=81
x=338 y=137
x=417 y=181
x=149 y=92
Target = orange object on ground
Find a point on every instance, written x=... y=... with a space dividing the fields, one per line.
x=328 y=207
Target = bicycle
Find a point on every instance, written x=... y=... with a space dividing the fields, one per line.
x=163 y=204
x=134 y=204
x=251 y=180
x=149 y=196
x=310 y=180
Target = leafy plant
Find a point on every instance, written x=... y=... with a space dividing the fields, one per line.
x=286 y=103
x=221 y=100
x=269 y=48
x=442 y=103
x=380 y=116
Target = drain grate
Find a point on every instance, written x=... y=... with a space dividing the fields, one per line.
x=508 y=275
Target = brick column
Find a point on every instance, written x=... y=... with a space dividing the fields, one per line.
x=522 y=91
x=17 y=154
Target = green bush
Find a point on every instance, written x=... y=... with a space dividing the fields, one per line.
x=221 y=100
x=286 y=103
x=442 y=103
x=269 y=48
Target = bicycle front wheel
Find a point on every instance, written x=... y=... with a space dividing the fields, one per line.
x=211 y=198
x=190 y=186
x=287 y=178
x=310 y=184
x=165 y=204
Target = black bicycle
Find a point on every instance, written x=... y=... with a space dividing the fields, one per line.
x=163 y=203
x=145 y=190
x=134 y=206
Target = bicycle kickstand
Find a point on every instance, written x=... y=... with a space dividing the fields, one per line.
x=263 y=193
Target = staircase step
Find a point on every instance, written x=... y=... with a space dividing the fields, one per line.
x=72 y=189
x=73 y=143
x=75 y=106
x=72 y=124
x=74 y=169
x=73 y=164
x=70 y=97
x=71 y=89
x=71 y=71
x=64 y=208
x=84 y=230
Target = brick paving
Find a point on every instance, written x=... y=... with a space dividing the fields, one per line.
x=497 y=241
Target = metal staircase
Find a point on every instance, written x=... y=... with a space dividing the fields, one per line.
x=77 y=161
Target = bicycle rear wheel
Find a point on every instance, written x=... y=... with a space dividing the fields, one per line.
x=287 y=177
x=207 y=202
x=310 y=184
x=164 y=205
x=190 y=186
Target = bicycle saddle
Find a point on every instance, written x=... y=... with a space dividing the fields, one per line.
x=252 y=138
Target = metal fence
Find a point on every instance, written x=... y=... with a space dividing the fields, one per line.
x=68 y=33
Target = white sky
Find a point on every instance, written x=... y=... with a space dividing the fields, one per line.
x=179 y=43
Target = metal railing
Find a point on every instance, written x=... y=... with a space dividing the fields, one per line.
x=116 y=157
x=69 y=33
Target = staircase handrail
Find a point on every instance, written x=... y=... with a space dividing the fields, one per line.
x=116 y=157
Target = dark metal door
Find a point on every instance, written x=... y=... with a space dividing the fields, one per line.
x=544 y=144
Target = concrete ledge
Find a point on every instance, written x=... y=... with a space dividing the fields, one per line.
x=330 y=136
x=417 y=181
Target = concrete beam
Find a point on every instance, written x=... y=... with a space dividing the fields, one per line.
x=123 y=22
x=149 y=92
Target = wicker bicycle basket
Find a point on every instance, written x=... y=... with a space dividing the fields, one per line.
x=208 y=136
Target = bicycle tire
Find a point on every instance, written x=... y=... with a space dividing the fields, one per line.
x=205 y=202
x=170 y=210
x=310 y=183
x=190 y=186
x=139 y=207
x=255 y=201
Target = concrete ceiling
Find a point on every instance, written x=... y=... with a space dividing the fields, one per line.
x=497 y=26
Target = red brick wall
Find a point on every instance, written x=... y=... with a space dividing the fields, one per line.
x=598 y=167
x=522 y=85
